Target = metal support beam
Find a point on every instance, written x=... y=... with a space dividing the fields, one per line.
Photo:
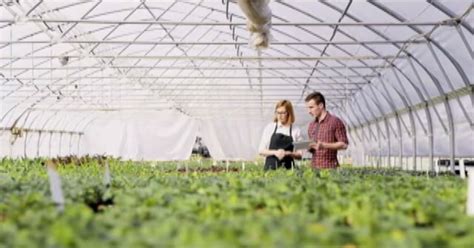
x=42 y=130
x=449 y=82
x=201 y=43
x=187 y=68
x=184 y=23
x=225 y=58
x=188 y=77
x=408 y=104
x=428 y=117
x=432 y=102
x=452 y=139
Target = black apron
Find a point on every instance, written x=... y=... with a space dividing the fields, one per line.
x=279 y=141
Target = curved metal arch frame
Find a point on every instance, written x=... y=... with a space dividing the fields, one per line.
x=38 y=100
x=44 y=97
x=334 y=45
x=369 y=107
x=412 y=126
x=387 y=124
x=201 y=6
x=350 y=121
x=421 y=96
x=74 y=127
x=397 y=117
x=286 y=35
x=48 y=119
x=347 y=35
x=93 y=116
x=29 y=127
x=361 y=124
x=453 y=62
x=78 y=71
x=379 y=132
x=58 y=123
x=399 y=18
x=46 y=61
x=430 y=129
x=429 y=118
x=384 y=37
x=44 y=126
x=220 y=11
x=435 y=81
x=366 y=119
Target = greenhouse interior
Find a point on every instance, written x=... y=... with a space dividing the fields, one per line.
x=236 y=123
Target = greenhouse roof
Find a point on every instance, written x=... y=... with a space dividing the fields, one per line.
x=371 y=59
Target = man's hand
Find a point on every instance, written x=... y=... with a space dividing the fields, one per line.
x=280 y=154
x=316 y=146
x=332 y=146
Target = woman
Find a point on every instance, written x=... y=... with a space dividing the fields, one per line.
x=277 y=139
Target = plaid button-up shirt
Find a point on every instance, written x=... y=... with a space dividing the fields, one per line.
x=331 y=129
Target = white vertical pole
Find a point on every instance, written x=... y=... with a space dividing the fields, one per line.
x=437 y=169
x=462 y=169
x=470 y=193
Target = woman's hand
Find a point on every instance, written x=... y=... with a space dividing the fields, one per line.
x=296 y=154
x=280 y=154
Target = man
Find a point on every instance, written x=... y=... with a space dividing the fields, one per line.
x=327 y=131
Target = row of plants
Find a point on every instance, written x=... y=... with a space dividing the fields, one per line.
x=154 y=204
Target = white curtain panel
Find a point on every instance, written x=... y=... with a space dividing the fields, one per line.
x=229 y=139
x=162 y=135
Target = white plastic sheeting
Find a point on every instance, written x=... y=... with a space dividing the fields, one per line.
x=230 y=139
x=34 y=144
x=392 y=70
x=367 y=145
x=161 y=135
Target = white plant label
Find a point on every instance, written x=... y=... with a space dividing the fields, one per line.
x=55 y=187
x=107 y=177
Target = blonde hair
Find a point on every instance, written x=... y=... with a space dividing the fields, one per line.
x=289 y=110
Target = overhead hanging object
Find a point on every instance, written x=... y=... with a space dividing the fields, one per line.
x=64 y=60
x=259 y=21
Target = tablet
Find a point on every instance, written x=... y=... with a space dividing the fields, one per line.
x=302 y=145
